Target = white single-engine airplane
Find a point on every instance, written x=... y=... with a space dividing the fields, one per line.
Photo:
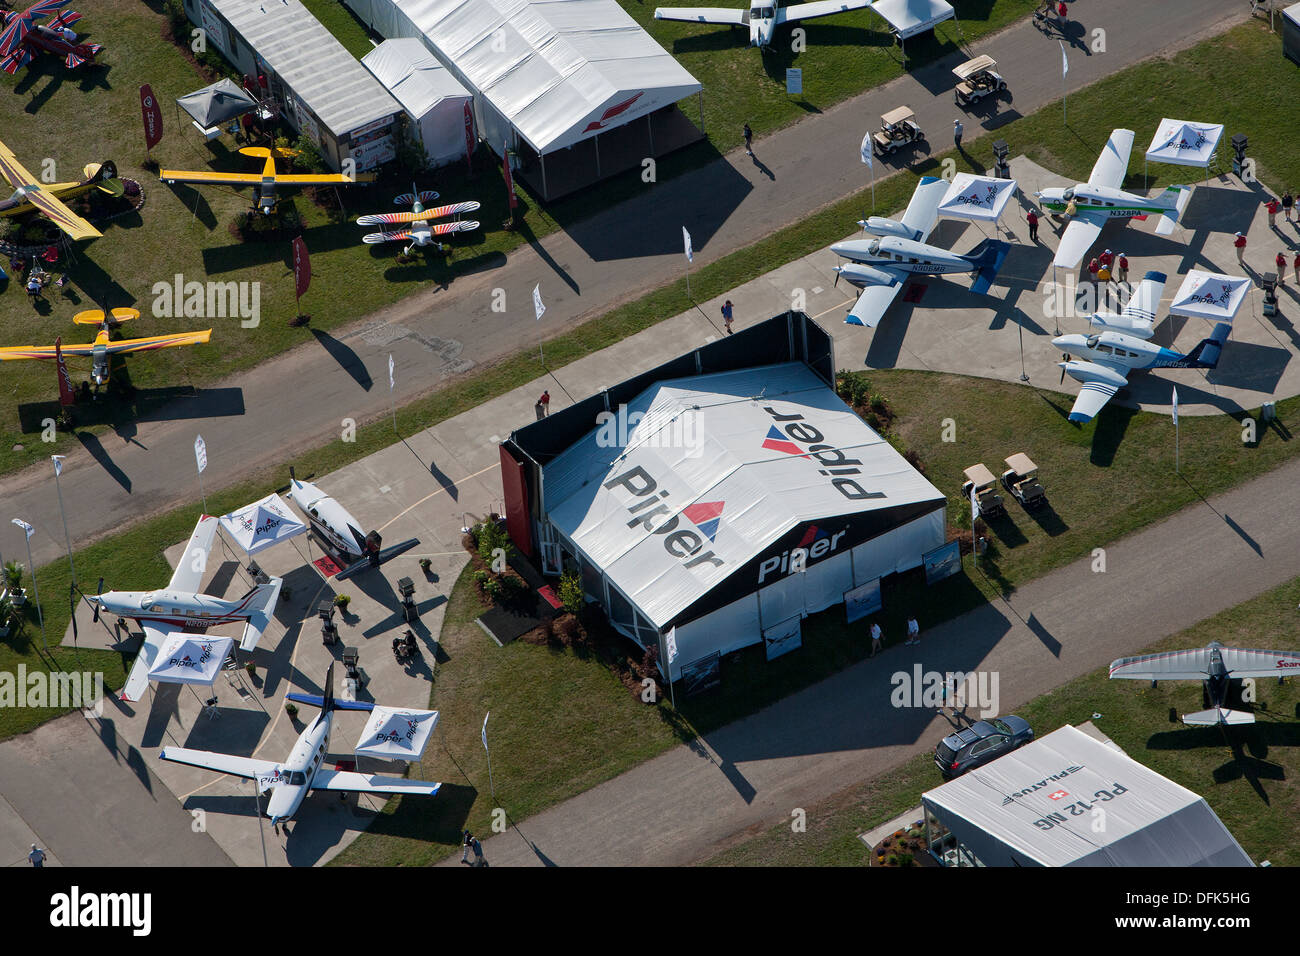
x=303 y=770
x=1101 y=199
x=1106 y=358
x=881 y=266
x=337 y=528
x=1217 y=667
x=418 y=229
x=762 y=16
x=180 y=607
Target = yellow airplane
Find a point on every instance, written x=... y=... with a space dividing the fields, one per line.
x=46 y=198
x=264 y=185
x=102 y=348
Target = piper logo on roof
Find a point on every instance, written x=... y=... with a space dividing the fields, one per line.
x=815 y=543
x=974 y=197
x=681 y=543
x=794 y=429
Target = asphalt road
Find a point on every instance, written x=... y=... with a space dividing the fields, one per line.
x=299 y=400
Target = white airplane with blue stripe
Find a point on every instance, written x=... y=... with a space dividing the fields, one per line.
x=762 y=17
x=1104 y=359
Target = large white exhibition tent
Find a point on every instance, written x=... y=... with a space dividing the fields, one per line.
x=977 y=197
x=1208 y=295
x=190 y=659
x=434 y=100
x=394 y=733
x=554 y=72
x=257 y=526
x=907 y=18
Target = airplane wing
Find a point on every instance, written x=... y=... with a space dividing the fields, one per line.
x=923 y=208
x=137 y=682
x=194 y=562
x=1112 y=164
x=246 y=767
x=11 y=352
x=819 y=8
x=1078 y=238
x=371 y=238
x=320 y=179
x=19 y=58
x=732 y=15
x=20 y=24
x=214 y=178
x=152 y=342
x=874 y=301
x=369 y=783
x=1092 y=398
x=261 y=608
x=1142 y=306
x=447 y=228
x=1173 y=665
x=1243 y=662
x=400 y=218
x=53 y=209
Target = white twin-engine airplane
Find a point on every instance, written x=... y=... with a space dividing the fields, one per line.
x=762 y=16
x=303 y=770
x=1217 y=667
x=1105 y=358
x=180 y=607
x=881 y=266
x=1100 y=199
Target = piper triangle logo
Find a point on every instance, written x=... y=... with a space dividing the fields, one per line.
x=776 y=441
x=706 y=516
x=812 y=536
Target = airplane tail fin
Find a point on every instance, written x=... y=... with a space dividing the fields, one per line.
x=261 y=607
x=987 y=259
x=1218 y=715
x=1208 y=351
x=1175 y=199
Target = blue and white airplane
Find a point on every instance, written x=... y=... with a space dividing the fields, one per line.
x=882 y=265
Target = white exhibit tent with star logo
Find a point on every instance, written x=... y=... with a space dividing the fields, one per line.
x=1184 y=143
x=262 y=524
x=190 y=659
x=396 y=733
x=977 y=197
x=1211 y=296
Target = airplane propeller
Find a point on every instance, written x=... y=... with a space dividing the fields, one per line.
x=837 y=277
x=1064 y=358
x=98 y=591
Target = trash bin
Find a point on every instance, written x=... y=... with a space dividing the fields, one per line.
x=1267 y=412
x=540 y=410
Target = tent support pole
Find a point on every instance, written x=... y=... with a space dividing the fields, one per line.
x=650 y=128
x=700 y=97
x=546 y=193
x=596 y=142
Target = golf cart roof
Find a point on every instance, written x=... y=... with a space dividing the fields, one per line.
x=1021 y=465
x=894 y=117
x=979 y=475
x=977 y=65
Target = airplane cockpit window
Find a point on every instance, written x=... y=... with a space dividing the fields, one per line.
x=874 y=248
x=297 y=778
x=1068 y=194
x=1104 y=349
x=765 y=13
x=1093 y=340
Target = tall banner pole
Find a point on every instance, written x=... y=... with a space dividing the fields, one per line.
x=1177 y=461
x=28 y=530
x=201 y=460
x=67 y=538
x=538 y=309
x=690 y=257
x=491 y=782
x=1065 y=68
x=392 y=380
x=865 y=152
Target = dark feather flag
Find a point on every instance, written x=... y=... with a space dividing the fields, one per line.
x=152 y=114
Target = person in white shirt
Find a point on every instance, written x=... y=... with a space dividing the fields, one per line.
x=875 y=637
x=913 y=631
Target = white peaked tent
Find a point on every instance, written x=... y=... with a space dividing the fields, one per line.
x=1208 y=295
x=394 y=733
x=262 y=524
x=190 y=659
x=434 y=100
x=977 y=197
x=910 y=17
x=1184 y=144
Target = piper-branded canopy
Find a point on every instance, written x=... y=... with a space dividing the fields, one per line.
x=710 y=470
x=910 y=17
x=977 y=197
x=217 y=103
x=190 y=659
x=393 y=733
x=1183 y=143
x=433 y=98
x=1038 y=806
x=262 y=524
x=1209 y=295
x=558 y=71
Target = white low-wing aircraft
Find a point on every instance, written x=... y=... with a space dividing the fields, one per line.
x=180 y=607
x=1217 y=666
x=336 y=527
x=1104 y=360
x=303 y=770
x=1101 y=199
x=762 y=17
x=881 y=265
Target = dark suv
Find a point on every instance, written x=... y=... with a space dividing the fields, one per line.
x=979 y=743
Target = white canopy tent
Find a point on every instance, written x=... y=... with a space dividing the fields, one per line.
x=1211 y=296
x=394 y=733
x=190 y=659
x=981 y=198
x=1183 y=143
x=262 y=524
x=907 y=18
x=434 y=100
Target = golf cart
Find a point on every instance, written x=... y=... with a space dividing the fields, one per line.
x=985 y=485
x=897 y=128
x=979 y=78
x=1021 y=479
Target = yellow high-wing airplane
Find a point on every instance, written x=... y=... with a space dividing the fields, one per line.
x=264 y=185
x=103 y=348
x=45 y=197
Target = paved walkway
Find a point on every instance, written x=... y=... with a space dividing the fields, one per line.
x=694 y=800
x=585 y=271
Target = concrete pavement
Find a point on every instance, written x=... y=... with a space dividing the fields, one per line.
x=586 y=270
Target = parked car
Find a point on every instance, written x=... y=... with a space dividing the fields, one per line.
x=980 y=743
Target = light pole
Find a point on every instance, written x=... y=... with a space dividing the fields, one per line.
x=67 y=539
x=36 y=591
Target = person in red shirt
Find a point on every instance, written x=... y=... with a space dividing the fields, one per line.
x=1280 y=261
x=1240 y=244
x=1123 y=268
x=1273 y=207
x=1032 y=218
x=1105 y=259
x=1093 y=268
x=1296 y=264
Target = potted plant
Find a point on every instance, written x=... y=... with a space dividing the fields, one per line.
x=292 y=710
x=14 y=574
x=425 y=564
x=6 y=615
x=251 y=668
x=341 y=601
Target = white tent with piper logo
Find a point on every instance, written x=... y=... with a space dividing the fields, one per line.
x=257 y=526
x=190 y=659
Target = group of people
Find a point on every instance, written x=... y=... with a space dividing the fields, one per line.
x=1284 y=205
x=913 y=634
x=1108 y=266
x=404 y=647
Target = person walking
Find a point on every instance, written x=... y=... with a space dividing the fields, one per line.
x=37 y=857
x=1288 y=203
x=1296 y=264
x=1032 y=218
x=1239 y=244
x=913 y=631
x=875 y=637
x=727 y=316
x=1280 y=262
x=1123 y=267
x=957 y=130
x=1093 y=268
x=545 y=403
x=1273 y=207
x=749 y=139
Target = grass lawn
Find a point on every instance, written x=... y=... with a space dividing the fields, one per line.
x=1247 y=776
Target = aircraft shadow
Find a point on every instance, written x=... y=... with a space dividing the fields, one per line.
x=234 y=731
x=398 y=618
x=170 y=404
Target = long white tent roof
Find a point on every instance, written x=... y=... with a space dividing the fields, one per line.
x=413 y=74
x=730 y=477
x=307 y=57
x=1040 y=803
x=560 y=71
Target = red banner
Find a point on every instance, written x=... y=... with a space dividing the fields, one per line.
x=510 y=180
x=152 y=117
x=67 y=397
x=301 y=267
x=469 y=139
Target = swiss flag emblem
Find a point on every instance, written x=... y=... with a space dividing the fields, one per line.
x=1058 y=795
